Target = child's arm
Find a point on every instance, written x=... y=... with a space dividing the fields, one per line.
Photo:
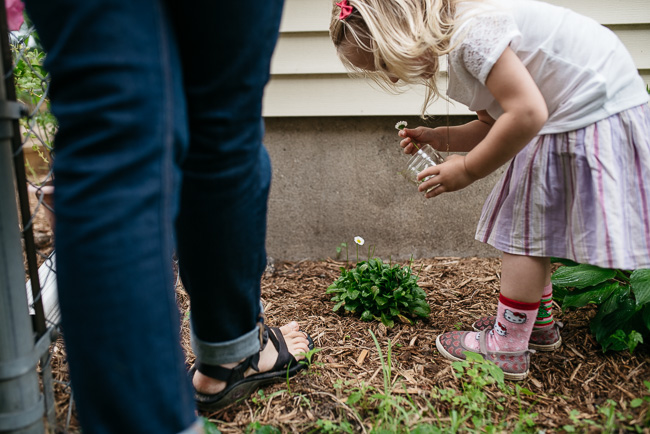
x=524 y=114
x=462 y=138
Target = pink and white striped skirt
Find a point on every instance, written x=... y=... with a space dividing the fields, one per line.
x=582 y=195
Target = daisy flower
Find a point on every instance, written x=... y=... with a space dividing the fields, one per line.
x=400 y=126
x=359 y=241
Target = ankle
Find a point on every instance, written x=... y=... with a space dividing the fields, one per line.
x=207 y=385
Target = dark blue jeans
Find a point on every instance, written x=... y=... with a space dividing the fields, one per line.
x=159 y=151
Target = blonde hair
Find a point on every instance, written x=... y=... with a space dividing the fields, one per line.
x=404 y=37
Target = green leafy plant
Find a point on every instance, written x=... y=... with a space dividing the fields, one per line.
x=622 y=297
x=31 y=84
x=379 y=291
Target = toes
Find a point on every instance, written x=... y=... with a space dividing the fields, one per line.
x=290 y=327
x=297 y=343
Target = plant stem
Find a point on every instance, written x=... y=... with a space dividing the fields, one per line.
x=621 y=275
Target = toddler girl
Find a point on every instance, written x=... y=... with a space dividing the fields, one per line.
x=556 y=93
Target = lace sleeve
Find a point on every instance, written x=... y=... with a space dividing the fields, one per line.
x=487 y=37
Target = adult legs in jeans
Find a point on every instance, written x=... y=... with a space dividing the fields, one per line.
x=117 y=91
x=226 y=170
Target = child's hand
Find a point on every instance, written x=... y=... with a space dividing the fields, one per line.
x=446 y=177
x=419 y=135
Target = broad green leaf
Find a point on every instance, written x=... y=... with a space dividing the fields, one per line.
x=613 y=315
x=381 y=301
x=640 y=284
x=419 y=311
x=387 y=321
x=581 y=276
x=596 y=295
x=337 y=306
x=366 y=315
x=353 y=295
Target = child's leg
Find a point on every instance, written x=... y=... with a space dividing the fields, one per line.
x=523 y=277
x=522 y=283
x=546 y=334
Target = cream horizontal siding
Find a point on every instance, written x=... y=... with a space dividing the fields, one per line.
x=308 y=79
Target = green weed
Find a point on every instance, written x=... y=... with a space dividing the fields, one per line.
x=378 y=291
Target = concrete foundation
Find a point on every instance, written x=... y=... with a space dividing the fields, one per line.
x=337 y=178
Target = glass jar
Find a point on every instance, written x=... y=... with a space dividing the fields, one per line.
x=425 y=157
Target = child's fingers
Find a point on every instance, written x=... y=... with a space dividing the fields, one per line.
x=438 y=190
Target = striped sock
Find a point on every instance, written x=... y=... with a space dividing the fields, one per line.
x=545 y=312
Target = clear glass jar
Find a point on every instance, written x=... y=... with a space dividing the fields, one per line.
x=425 y=157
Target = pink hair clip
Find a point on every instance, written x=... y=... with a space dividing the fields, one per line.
x=346 y=9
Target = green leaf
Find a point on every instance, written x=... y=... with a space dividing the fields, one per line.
x=387 y=321
x=353 y=295
x=366 y=316
x=353 y=398
x=640 y=284
x=596 y=295
x=381 y=301
x=419 y=311
x=581 y=276
x=209 y=427
x=614 y=314
x=337 y=306
x=637 y=402
x=645 y=314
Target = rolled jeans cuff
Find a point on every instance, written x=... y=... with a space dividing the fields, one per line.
x=221 y=353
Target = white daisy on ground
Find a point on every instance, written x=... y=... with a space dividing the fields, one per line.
x=359 y=241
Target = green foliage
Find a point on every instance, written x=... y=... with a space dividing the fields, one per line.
x=623 y=300
x=32 y=83
x=380 y=291
x=258 y=428
x=611 y=419
x=209 y=427
x=339 y=250
x=473 y=405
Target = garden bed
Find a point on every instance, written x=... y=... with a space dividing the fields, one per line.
x=570 y=387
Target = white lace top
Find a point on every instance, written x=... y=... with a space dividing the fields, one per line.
x=582 y=69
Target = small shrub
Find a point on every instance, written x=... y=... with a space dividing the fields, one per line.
x=380 y=291
x=622 y=297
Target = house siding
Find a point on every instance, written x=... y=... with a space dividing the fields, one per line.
x=307 y=78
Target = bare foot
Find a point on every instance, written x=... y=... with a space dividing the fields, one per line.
x=297 y=343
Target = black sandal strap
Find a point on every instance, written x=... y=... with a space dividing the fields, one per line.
x=285 y=358
x=264 y=339
x=228 y=375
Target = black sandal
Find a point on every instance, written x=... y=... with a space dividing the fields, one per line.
x=239 y=387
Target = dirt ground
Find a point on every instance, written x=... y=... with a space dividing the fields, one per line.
x=577 y=376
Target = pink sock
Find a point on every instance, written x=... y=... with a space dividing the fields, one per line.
x=512 y=328
x=545 y=312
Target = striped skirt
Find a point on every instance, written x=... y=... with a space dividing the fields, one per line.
x=582 y=195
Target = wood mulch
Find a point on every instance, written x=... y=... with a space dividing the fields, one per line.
x=460 y=290
x=578 y=376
